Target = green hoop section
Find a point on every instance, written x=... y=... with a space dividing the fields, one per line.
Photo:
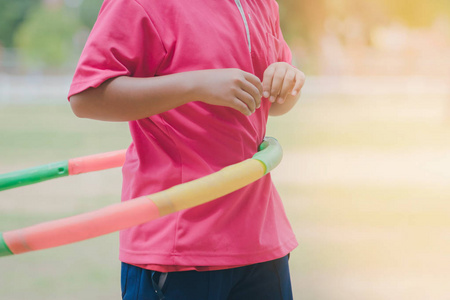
x=4 y=249
x=34 y=175
x=270 y=154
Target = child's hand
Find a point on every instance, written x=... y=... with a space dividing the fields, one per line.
x=229 y=87
x=282 y=80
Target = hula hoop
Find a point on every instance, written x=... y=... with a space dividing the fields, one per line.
x=143 y=209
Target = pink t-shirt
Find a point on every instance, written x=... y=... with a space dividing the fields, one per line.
x=145 y=38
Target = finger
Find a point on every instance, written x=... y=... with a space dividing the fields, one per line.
x=254 y=88
x=277 y=83
x=267 y=81
x=253 y=92
x=253 y=79
x=241 y=107
x=247 y=99
x=299 y=83
x=288 y=85
x=238 y=105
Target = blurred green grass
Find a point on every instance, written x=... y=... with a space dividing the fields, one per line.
x=33 y=132
x=364 y=181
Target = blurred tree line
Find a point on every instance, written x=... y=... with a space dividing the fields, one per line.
x=52 y=32
x=48 y=33
x=305 y=22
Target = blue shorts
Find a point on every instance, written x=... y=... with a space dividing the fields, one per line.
x=263 y=281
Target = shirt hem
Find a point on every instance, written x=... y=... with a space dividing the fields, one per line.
x=204 y=262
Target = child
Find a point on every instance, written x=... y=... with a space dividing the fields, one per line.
x=196 y=80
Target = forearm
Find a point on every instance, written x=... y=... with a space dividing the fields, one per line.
x=128 y=98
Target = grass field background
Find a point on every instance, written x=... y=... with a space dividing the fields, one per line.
x=365 y=181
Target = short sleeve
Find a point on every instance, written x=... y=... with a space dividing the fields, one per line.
x=123 y=42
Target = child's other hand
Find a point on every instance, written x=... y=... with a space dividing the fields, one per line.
x=231 y=88
x=282 y=80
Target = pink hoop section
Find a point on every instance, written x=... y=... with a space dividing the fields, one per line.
x=96 y=162
x=81 y=227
